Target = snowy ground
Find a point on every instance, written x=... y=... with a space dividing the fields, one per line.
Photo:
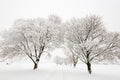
x=49 y=71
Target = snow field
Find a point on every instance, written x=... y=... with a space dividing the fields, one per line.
x=51 y=71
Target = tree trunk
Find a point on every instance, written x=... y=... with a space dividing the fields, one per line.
x=75 y=61
x=74 y=64
x=36 y=63
x=89 y=67
x=35 y=66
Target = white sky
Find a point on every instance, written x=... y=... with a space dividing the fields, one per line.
x=14 y=9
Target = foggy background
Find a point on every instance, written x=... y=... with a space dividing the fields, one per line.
x=109 y=10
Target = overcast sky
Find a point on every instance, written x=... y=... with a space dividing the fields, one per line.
x=109 y=10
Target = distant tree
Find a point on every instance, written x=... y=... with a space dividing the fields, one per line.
x=55 y=19
x=61 y=60
x=88 y=40
x=57 y=29
x=70 y=54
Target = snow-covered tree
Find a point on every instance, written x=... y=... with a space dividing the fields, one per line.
x=27 y=37
x=56 y=27
x=30 y=37
x=88 y=40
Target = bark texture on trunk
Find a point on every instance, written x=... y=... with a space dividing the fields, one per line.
x=35 y=66
x=89 y=67
x=75 y=63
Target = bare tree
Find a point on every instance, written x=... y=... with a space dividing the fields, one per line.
x=88 y=40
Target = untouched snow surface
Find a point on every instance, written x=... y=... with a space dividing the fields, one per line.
x=50 y=71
